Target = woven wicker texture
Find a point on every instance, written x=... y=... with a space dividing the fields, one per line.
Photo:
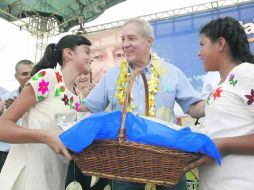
x=130 y=161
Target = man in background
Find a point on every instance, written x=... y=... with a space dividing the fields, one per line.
x=23 y=70
x=2 y=92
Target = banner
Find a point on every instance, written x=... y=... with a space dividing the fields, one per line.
x=176 y=41
x=106 y=51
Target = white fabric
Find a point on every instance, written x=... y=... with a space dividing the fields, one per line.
x=36 y=166
x=211 y=81
x=228 y=115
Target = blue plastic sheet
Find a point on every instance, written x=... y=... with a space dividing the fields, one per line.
x=106 y=125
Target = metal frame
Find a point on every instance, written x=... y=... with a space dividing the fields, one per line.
x=171 y=14
x=55 y=27
x=33 y=24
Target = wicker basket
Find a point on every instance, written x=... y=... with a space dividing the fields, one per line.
x=130 y=161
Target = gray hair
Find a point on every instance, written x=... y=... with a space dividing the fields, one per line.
x=23 y=62
x=146 y=27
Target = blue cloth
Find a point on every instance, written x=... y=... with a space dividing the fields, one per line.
x=105 y=125
x=173 y=87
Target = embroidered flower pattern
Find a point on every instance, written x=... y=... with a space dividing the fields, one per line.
x=43 y=88
x=217 y=93
x=59 y=91
x=59 y=77
x=232 y=81
x=250 y=97
x=40 y=98
x=69 y=102
x=208 y=100
x=39 y=75
x=65 y=100
x=43 y=85
x=77 y=106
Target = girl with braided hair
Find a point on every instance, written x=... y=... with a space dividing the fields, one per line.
x=229 y=119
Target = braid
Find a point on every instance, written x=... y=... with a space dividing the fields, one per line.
x=231 y=30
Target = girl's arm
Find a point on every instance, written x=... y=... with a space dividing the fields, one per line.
x=10 y=132
x=236 y=145
x=240 y=145
x=197 y=110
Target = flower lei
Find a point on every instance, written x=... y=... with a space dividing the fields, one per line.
x=153 y=84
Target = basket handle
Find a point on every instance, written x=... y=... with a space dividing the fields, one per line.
x=127 y=101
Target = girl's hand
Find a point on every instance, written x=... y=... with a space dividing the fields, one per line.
x=204 y=160
x=53 y=141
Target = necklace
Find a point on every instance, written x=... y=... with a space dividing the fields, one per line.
x=153 y=84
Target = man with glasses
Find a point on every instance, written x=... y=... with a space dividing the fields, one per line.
x=23 y=70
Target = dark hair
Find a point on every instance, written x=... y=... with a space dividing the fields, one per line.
x=54 y=52
x=232 y=31
x=23 y=62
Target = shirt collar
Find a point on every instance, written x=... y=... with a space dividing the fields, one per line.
x=146 y=69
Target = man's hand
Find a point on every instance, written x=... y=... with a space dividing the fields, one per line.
x=9 y=101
